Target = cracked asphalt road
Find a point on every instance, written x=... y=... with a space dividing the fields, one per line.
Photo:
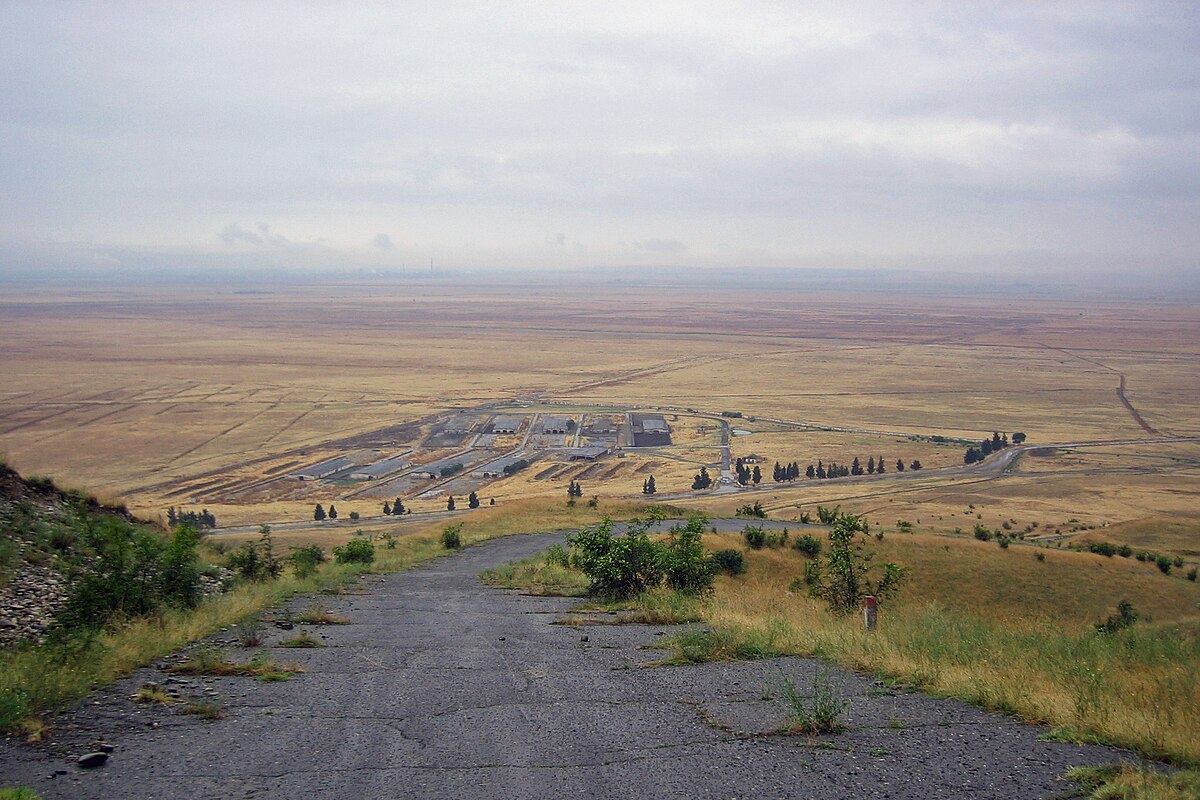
x=443 y=688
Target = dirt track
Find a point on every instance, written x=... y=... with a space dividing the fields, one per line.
x=443 y=688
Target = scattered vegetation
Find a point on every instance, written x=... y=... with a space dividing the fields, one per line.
x=256 y=561
x=301 y=640
x=844 y=578
x=211 y=661
x=317 y=614
x=1128 y=782
x=307 y=560
x=210 y=710
x=730 y=562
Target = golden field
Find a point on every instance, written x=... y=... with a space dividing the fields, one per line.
x=171 y=396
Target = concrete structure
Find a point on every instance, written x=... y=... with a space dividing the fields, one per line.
x=556 y=424
x=589 y=452
x=507 y=424
x=434 y=468
x=380 y=468
x=495 y=469
x=753 y=458
x=323 y=469
x=654 y=425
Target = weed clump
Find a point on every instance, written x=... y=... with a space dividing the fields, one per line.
x=316 y=614
x=821 y=714
x=306 y=560
x=1125 y=617
x=808 y=545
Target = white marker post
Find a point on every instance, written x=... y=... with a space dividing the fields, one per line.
x=870 y=612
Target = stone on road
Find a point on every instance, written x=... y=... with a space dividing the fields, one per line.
x=443 y=688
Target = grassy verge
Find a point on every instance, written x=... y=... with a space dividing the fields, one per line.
x=1126 y=782
x=34 y=680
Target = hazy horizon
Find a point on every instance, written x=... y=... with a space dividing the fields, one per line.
x=1023 y=143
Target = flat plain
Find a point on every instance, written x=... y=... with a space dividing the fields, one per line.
x=179 y=396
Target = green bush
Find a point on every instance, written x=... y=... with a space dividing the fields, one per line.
x=1164 y=564
x=808 y=545
x=1191 y=575
x=1125 y=617
x=355 y=551
x=686 y=566
x=619 y=567
x=1107 y=549
x=755 y=536
x=305 y=560
x=982 y=533
x=451 y=537
x=731 y=562
x=844 y=579
x=777 y=539
x=256 y=561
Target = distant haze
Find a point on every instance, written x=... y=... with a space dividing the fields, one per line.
x=1000 y=139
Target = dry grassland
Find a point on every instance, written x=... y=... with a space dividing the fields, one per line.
x=159 y=396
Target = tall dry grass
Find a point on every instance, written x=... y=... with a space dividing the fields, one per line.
x=1000 y=629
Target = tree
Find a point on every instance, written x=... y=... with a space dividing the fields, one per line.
x=702 y=480
x=856 y=467
x=844 y=578
x=916 y=464
x=879 y=465
x=821 y=470
x=777 y=473
x=575 y=489
x=810 y=473
x=332 y=511
x=318 y=513
x=1018 y=438
x=899 y=465
x=450 y=503
x=492 y=502
x=648 y=487
x=871 y=465
x=387 y=508
x=472 y=500
x=756 y=476
x=172 y=517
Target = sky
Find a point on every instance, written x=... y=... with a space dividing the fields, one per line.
x=989 y=137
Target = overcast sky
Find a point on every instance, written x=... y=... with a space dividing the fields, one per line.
x=560 y=134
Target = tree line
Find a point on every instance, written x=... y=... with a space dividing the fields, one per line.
x=986 y=446
x=197 y=519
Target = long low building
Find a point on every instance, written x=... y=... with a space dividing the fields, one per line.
x=556 y=424
x=434 y=468
x=507 y=424
x=323 y=469
x=495 y=469
x=589 y=452
x=380 y=469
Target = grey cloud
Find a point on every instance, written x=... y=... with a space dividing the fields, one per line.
x=234 y=233
x=661 y=245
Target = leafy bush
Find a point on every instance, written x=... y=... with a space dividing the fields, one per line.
x=755 y=536
x=1164 y=564
x=1191 y=575
x=132 y=572
x=1124 y=551
x=844 y=579
x=558 y=557
x=982 y=533
x=731 y=562
x=355 y=551
x=808 y=545
x=619 y=567
x=755 y=510
x=305 y=560
x=686 y=566
x=1107 y=549
x=257 y=561
x=451 y=537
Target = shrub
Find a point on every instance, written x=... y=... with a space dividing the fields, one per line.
x=1191 y=575
x=685 y=565
x=305 y=560
x=257 y=561
x=1164 y=564
x=982 y=533
x=619 y=567
x=1125 y=617
x=1040 y=556
x=355 y=551
x=755 y=536
x=1177 y=562
x=353 y=515
x=778 y=539
x=1124 y=551
x=844 y=579
x=451 y=537
x=732 y=562
x=1143 y=556
x=1107 y=549
x=755 y=510
x=808 y=545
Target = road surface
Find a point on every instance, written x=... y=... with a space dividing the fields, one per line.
x=443 y=688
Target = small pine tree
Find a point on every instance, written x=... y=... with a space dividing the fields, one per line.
x=387 y=508
x=450 y=503
x=332 y=512
x=871 y=465
x=879 y=465
x=648 y=488
x=398 y=507
x=916 y=464
x=319 y=513
x=899 y=465
x=472 y=500
x=756 y=476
